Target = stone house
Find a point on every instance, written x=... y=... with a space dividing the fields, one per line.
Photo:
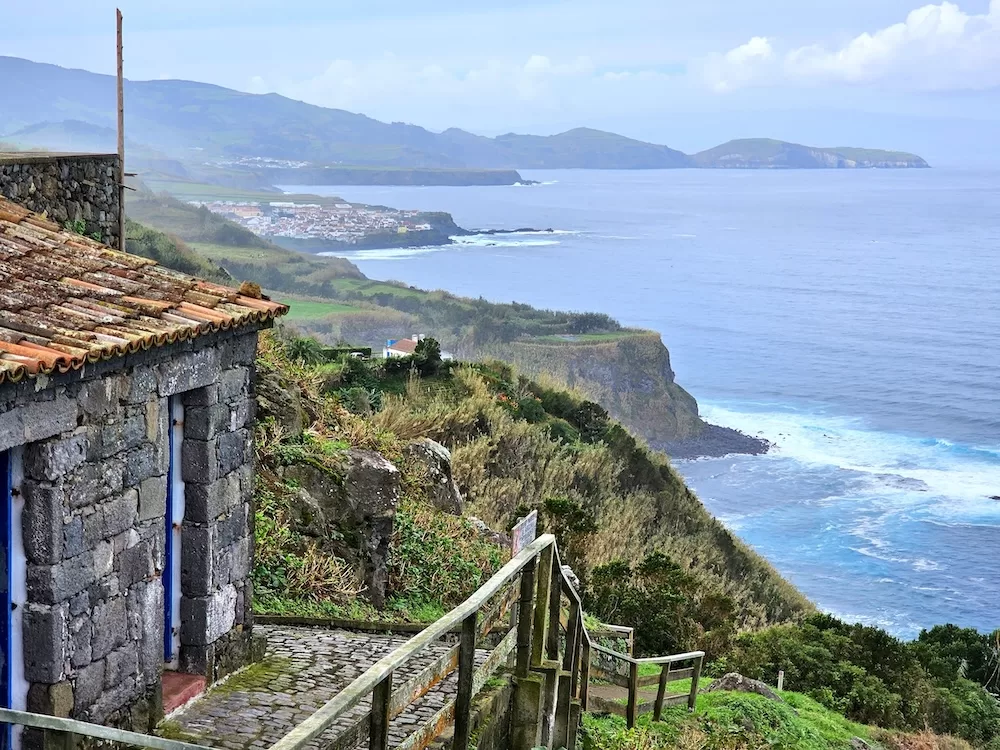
x=126 y=401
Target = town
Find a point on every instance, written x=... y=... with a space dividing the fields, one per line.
x=340 y=222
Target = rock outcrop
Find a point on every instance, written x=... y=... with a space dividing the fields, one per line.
x=435 y=459
x=351 y=511
x=735 y=682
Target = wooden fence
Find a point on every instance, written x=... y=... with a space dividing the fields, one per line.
x=553 y=655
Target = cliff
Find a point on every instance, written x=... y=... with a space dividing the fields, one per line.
x=629 y=375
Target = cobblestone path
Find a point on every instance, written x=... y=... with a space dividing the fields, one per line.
x=303 y=668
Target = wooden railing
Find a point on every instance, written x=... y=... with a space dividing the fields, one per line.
x=553 y=661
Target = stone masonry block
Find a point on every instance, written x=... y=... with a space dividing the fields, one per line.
x=206 y=619
x=142 y=463
x=89 y=686
x=50 y=584
x=141 y=384
x=146 y=603
x=188 y=371
x=73 y=543
x=51 y=700
x=111 y=518
x=11 y=428
x=235 y=449
x=121 y=664
x=234 y=384
x=207 y=396
x=153 y=498
x=43 y=419
x=239 y=351
x=42 y=522
x=199 y=461
x=81 y=638
x=52 y=459
x=242 y=559
x=110 y=627
x=45 y=643
x=135 y=564
x=197 y=560
x=205 y=422
x=204 y=503
x=232 y=527
x=93 y=482
x=99 y=398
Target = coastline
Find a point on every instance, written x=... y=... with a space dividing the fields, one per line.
x=714 y=442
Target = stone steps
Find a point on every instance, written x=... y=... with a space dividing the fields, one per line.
x=304 y=668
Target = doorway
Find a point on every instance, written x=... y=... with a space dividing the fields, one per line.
x=172 y=547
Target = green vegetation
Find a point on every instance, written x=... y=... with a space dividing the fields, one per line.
x=516 y=445
x=730 y=721
x=941 y=680
x=171 y=252
x=311 y=310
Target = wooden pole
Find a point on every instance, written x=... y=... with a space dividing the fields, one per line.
x=121 y=137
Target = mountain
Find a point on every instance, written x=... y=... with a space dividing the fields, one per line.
x=765 y=153
x=199 y=122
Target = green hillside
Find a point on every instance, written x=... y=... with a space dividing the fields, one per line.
x=199 y=122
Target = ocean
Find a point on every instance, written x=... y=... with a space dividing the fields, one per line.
x=851 y=317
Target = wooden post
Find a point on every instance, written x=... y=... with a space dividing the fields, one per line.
x=585 y=674
x=571 y=657
x=632 y=713
x=525 y=615
x=661 y=691
x=695 y=675
x=121 y=137
x=781 y=680
x=378 y=732
x=555 y=608
x=466 y=670
x=543 y=577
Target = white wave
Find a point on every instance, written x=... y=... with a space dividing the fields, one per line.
x=685 y=236
x=499 y=240
x=898 y=468
x=387 y=253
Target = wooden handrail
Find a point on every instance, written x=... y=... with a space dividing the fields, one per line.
x=72 y=726
x=382 y=670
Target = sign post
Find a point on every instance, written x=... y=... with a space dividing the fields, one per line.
x=524 y=532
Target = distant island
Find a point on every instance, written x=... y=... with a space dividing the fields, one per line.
x=766 y=153
x=191 y=130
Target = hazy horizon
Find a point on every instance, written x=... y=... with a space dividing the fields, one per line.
x=903 y=76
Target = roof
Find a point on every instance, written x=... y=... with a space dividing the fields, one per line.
x=66 y=300
x=403 y=345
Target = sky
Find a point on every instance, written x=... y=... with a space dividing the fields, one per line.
x=878 y=73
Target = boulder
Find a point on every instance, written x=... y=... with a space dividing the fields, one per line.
x=443 y=493
x=355 y=508
x=736 y=682
x=279 y=400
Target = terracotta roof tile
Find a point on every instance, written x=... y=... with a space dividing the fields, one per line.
x=66 y=300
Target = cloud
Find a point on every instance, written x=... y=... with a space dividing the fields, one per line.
x=536 y=84
x=936 y=48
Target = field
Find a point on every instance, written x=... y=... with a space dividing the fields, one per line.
x=311 y=310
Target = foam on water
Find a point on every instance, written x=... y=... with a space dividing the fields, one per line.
x=893 y=463
x=846 y=511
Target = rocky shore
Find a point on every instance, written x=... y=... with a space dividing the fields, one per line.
x=714 y=442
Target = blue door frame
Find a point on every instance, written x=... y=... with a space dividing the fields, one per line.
x=6 y=486
x=172 y=531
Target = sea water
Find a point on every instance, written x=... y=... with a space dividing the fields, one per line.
x=850 y=317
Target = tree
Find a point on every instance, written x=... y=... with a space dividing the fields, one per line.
x=427 y=356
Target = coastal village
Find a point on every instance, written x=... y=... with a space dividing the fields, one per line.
x=342 y=222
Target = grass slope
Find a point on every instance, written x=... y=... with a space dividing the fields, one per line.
x=741 y=721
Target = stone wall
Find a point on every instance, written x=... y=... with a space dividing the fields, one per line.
x=67 y=188
x=95 y=461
